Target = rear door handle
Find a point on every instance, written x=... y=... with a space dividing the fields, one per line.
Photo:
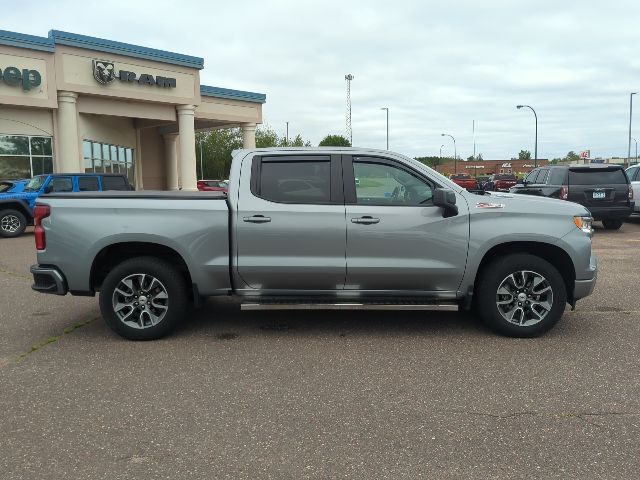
x=366 y=220
x=257 y=219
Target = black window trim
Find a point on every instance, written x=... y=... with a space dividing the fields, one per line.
x=350 y=181
x=336 y=193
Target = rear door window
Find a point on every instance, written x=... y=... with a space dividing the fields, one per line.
x=290 y=181
x=542 y=176
x=88 y=184
x=597 y=177
x=557 y=176
x=114 y=183
x=61 y=184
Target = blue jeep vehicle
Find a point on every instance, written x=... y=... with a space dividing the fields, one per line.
x=16 y=207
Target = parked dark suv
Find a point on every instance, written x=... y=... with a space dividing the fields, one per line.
x=604 y=189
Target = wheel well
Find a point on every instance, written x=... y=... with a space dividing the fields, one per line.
x=551 y=253
x=19 y=206
x=111 y=256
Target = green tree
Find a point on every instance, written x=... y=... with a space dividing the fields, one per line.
x=524 y=155
x=334 y=141
x=218 y=146
x=572 y=157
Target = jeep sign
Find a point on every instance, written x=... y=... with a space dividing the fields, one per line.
x=13 y=77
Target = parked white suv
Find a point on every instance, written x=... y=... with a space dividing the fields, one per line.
x=634 y=177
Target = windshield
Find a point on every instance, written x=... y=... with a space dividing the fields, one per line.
x=35 y=183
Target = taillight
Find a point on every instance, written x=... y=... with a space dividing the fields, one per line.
x=630 y=193
x=564 y=192
x=41 y=211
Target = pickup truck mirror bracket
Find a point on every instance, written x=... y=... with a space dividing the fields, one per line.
x=445 y=198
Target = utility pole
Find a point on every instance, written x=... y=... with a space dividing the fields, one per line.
x=287 y=135
x=387 y=109
x=474 y=140
x=348 y=78
x=201 y=169
x=630 y=116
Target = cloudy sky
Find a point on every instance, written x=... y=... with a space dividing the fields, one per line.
x=437 y=65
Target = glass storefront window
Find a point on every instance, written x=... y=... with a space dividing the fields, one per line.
x=15 y=167
x=40 y=146
x=14 y=145
x=23 y=156
x=104 y=158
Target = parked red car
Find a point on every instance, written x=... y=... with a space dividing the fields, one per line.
x=213 y=185
x=500 y=182
x=464 y=180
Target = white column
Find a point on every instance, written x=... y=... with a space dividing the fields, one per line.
x=171 y=160
x=249 y=135
x=187 y=147
x=68 y=152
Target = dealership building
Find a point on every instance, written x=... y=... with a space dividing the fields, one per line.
x=73 y=103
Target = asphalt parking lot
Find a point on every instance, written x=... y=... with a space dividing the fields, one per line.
x=320 y=394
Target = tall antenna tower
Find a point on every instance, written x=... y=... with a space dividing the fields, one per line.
x=348 y=78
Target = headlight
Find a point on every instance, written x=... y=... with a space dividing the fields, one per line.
x=584 y=223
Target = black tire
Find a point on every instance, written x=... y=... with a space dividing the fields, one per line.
x=171 y=282
x=490 y=281
x=12 y=223
x=611 y=223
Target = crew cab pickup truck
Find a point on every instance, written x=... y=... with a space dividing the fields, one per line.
x=464 y=180
x=296 y=231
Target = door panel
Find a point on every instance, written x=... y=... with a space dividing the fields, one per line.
x=287 y=247
x=399 y=241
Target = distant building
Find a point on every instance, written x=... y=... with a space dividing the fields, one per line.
x=488 y=167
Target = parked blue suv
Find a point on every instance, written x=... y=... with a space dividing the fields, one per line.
x=16 y=207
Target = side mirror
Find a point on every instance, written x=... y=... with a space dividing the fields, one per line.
x=445 y=198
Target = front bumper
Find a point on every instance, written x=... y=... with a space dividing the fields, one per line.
x=584 y=288
x=47 y=279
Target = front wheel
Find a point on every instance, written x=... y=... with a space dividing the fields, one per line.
x=12 y=223
x=143 y=298
x=521 y=295
x=611 y=224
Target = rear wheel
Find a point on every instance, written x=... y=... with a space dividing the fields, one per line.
x=143 y=298
x=12 y=223
x=521 y=295
x=611 y=223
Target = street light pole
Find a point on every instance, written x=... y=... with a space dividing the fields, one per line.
x=630 y=116
x=636 y=149
x=440 y=158
x=455 y=152
x=535 y=155
x=387 y=109
x=287 y=135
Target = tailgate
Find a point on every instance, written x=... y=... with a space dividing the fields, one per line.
x=598 y=187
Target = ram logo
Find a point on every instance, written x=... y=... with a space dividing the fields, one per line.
x=104 y=72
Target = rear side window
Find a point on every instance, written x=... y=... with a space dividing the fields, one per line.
x=114 y=183
x=597 y=177
x=557 y=176
x=532 y=176
x=304 y=181
x=633 y=174
x=61 y=184
x=88 y=184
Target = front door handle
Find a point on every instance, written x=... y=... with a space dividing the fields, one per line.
x=366 y=220
x=257 y=219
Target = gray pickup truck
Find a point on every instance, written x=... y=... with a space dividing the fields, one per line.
x=317 y=228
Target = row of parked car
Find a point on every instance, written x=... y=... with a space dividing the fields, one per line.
x=607 y=191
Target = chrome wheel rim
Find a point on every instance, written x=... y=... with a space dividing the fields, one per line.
x=524 y=298
x=10 y=223
x=140 y=301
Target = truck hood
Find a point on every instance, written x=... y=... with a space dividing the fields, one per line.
x=526 y=204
